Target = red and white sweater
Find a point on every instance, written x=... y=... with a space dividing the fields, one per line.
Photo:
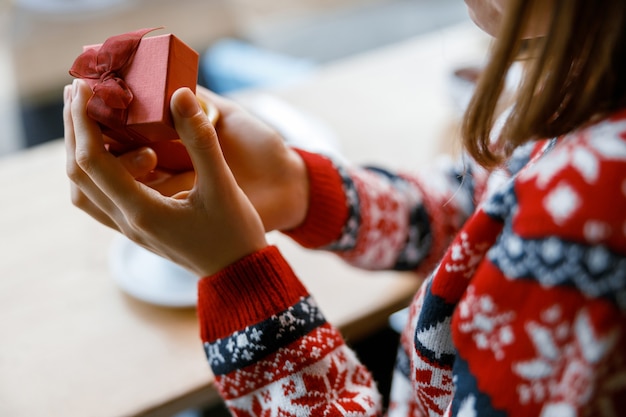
x=524 y=312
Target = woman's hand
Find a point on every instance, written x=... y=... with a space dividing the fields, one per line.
x=204 y=229
x=272 y=175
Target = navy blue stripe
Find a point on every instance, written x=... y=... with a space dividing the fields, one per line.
x=467 y=398
x=596 y=271
x=433 y=328
x=347 y=241
x=419 y=239
x=252 y=344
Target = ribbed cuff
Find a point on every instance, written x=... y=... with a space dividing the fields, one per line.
x=328 y=211
x=246 y=292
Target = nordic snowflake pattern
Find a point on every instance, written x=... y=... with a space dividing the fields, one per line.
x=465 y=256
x=490 y=328
x=254 y=342
x=347 y=240
x=288 y=359
x=583 y=151
x=563 y=371
x=381 y=238
x=561 y=202
x=336 y=385
x=382 y=233
x=561 y=354
x=593 y=270
x=432 y=385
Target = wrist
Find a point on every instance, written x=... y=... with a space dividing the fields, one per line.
x=295 y=193
x=326 y=210
x=283 y=205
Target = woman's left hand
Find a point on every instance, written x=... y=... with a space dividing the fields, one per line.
x=204 y=229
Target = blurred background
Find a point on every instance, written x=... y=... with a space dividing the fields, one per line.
x=243 y=43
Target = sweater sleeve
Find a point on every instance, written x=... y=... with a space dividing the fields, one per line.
x=270 y=348
x=377 y=219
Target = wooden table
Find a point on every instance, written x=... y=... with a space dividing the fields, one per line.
x=73 y=344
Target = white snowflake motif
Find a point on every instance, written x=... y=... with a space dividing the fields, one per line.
x=213 y=353
x=242 y=344
x=464 y=257
x=561 y=374
x=312 y=310
x=288 y=322
x=583 y=151
x=383 y=221
x=489 y=327
x=561 y=203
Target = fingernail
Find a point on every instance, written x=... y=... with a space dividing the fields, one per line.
x=142 y=156
x=187 y=105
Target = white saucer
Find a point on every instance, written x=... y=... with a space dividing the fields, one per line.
x=149 y=277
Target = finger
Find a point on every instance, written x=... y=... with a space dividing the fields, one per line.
x=209 y=107
x=87 y=133
x=85 y=204
x=76 y=175
x=200 y=139
x=223 y=105
x=105 y=171
x=140 y=162
x=169 y=185
x=68 y=127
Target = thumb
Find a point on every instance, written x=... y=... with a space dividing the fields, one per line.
x=198 y=135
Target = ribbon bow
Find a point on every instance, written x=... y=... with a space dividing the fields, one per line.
x=111 y=96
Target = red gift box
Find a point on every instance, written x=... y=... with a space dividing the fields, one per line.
x=133 y=79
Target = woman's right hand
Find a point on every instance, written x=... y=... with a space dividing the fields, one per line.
x=272 y=175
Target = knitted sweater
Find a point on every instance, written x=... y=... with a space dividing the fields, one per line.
x=523 y=311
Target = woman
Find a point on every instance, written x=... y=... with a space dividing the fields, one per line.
x=524 y=244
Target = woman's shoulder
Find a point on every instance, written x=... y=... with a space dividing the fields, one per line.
x=576 y=186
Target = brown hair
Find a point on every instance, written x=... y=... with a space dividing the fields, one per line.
x=576 y=73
